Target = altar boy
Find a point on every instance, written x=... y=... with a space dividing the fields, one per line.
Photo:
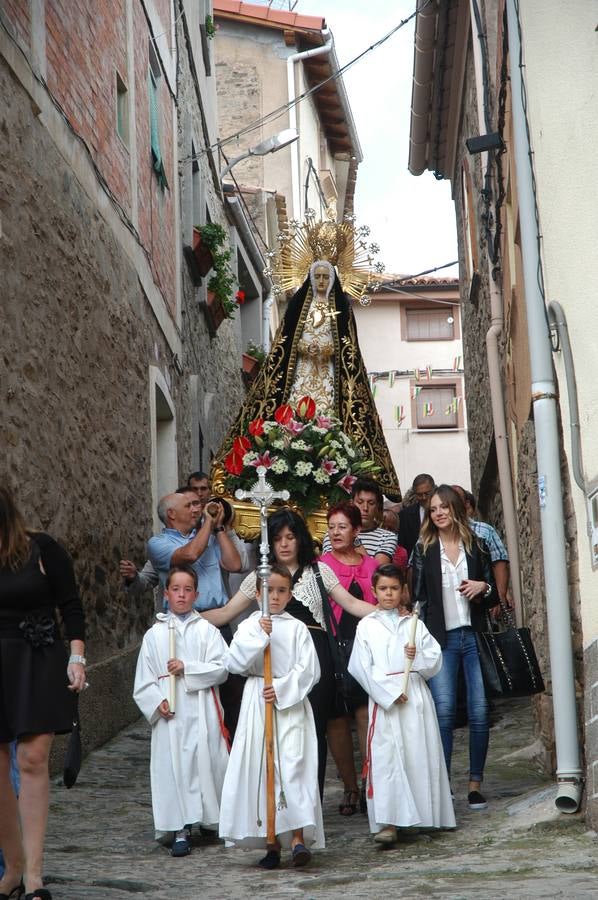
x=189 y=751
x=407 y=781
x=295 y=670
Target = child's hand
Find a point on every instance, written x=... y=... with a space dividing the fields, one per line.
x=269 y=694
x=164 y=710
x=175 y=667
x=410 y=651
x=266 y=624
x=401 y=699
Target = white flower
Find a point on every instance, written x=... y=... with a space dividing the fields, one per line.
x=350 y=452
x=249 y=458
x=335 y=445
x=341 y=462
x=300 y=445
x=317 y=430
x=321 y=477
x=268 y=426
x=279 y=444
x=280 y=466
x=303 y=468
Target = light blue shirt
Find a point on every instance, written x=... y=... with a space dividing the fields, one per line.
x=160 y=550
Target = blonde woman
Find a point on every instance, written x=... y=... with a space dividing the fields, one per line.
x=453 y=582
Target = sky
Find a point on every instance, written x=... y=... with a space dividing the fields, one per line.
x=411 y=218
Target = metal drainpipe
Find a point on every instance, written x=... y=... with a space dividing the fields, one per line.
x=499 y=420
x=291 y=60
x=544 y=400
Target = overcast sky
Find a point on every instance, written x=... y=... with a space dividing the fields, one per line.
x=411 y=218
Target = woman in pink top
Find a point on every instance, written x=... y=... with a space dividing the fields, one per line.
x=354 y=571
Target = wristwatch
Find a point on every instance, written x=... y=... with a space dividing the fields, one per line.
x=76 y=658
x=218 y=529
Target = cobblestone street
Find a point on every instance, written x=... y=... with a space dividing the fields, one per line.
x=100 y=839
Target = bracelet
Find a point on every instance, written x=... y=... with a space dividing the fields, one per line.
x=219 y=529
x=488 y=590
x=77 y=658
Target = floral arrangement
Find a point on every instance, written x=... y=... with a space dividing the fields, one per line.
x=305 y=453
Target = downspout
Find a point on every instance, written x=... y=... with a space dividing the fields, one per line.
x=544 y=400
x=295 y=165
x=499 y=421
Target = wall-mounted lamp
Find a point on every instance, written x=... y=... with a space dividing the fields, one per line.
x=270 y=145
x=484 y=142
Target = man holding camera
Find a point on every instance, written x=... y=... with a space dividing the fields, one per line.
x=204 y=545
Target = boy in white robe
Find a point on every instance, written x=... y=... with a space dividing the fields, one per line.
x=407 y=781
x=295 y=670
x=189 y=752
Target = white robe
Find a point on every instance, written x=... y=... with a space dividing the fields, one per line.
x=407 y=768
x=295 y=670
x=188 y=752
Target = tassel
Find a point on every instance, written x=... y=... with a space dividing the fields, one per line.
x=282 y=801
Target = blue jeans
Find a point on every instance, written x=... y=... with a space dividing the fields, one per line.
x=14 y=777
x=462 y=649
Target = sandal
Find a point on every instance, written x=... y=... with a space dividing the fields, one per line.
x=39 y=894
x=349 y=805
x=16 y=892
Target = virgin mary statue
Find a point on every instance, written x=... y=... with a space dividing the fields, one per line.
x=316 y=353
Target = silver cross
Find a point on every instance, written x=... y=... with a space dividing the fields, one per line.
x=262 y=494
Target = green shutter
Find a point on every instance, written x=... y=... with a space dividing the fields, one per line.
x=155 y=131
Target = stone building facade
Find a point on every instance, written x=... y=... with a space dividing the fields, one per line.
x=463 y=49
x=108 y=375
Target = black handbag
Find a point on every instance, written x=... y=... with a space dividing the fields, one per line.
x=73 y=755
x=508 y=660
x=347 y=688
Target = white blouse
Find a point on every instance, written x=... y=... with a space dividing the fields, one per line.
x=306 y=591
x=457 y=613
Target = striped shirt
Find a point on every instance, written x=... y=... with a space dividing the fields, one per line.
x=378 y=540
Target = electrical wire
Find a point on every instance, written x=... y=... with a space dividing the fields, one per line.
x=280 y=110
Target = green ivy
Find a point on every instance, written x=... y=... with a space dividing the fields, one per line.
x=223 y=280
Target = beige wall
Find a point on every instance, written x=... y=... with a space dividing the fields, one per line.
x=442 y=453
x=560 y=38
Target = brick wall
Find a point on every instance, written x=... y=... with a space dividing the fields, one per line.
x=17 y=15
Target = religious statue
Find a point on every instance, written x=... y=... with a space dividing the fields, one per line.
x=315 y=352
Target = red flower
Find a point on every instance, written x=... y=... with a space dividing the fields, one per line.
x=241 y=445
x=306 y=408
x=233 y=463
x=240 y=297
x=283 y=414
x=256 y=428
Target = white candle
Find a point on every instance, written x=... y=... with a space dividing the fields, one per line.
x=409 y=662
x=172 y=655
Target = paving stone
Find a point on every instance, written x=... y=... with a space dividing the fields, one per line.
x=100 y=840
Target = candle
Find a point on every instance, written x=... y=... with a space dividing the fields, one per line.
x=409 y=662
x=171 y=655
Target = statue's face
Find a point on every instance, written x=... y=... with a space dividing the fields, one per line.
x=321 y=279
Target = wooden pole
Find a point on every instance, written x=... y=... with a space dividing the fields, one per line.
x=270 y=787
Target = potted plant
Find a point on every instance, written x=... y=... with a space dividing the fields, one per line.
x=253 y=359
x=201 y=260
x=220 y=302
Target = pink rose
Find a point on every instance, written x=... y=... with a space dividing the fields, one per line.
x=323 y=422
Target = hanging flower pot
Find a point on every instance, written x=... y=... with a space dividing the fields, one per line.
x=215 y=312
x=202 y=253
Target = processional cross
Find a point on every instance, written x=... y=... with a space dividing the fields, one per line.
x=262 y=494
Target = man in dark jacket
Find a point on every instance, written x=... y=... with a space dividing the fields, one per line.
x=411 y=517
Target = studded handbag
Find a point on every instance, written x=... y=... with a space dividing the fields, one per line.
x=508 y=659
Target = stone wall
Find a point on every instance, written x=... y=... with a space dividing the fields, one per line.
x=484 y=471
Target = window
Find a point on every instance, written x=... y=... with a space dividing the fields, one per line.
x=122 y=110
x=154 y=79
x=437 y=407
x=430 y=324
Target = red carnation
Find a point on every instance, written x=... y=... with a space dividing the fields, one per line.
x=283 y=414
x=233 y=463
x=256 y=428
x=306 y=408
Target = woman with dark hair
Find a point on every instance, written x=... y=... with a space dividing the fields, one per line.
x=291 y=545
x=354 y=572
x=453 y=582
x=37 y=681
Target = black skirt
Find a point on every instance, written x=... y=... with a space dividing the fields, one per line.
x=34 y=694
